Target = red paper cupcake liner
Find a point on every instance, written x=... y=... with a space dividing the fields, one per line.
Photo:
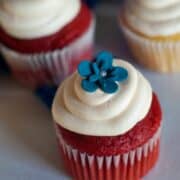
x=128 y=166
x=34 y=70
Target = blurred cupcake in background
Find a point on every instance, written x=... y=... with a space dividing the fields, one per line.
x=43 y=42
x=152 y=29
x=108 y=121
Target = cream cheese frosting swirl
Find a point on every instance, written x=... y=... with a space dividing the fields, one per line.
x=102 y=114
x=27 y=19
x=153 y=17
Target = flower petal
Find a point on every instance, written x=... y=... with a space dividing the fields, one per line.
x=88 y=86
x=95 y=68
x=118 y=74
x=108 y=86
x=84 y=68
x=104 y=60
x=93 y=78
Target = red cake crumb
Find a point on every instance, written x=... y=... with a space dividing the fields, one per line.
x=104 y=145
x=56 y=41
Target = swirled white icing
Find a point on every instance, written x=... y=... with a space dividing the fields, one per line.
x=153 y=17
x=26 y=19
x=99 y=113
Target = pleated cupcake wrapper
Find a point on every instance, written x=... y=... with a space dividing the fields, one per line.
x=162 y=56
x=127 y=166
x=51 y=67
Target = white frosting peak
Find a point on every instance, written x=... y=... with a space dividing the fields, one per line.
x=99 y=113
x=153 y=17
x=26 y=19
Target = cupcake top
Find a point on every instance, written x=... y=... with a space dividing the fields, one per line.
x=27 y=19
x=153 y=17
x=106 y=97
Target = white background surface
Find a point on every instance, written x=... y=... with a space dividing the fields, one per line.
x=27 y=143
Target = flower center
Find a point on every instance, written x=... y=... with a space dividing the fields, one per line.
x=103 y=73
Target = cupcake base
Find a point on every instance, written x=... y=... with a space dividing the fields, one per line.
x=127 y=166
x=52 y=67
x=157 y=55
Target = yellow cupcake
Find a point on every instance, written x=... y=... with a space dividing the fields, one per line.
x=152 y=29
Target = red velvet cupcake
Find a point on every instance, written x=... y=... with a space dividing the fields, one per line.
x=108 y=121
x=43 y=42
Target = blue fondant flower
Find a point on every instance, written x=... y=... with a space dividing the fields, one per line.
x=100 y=73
